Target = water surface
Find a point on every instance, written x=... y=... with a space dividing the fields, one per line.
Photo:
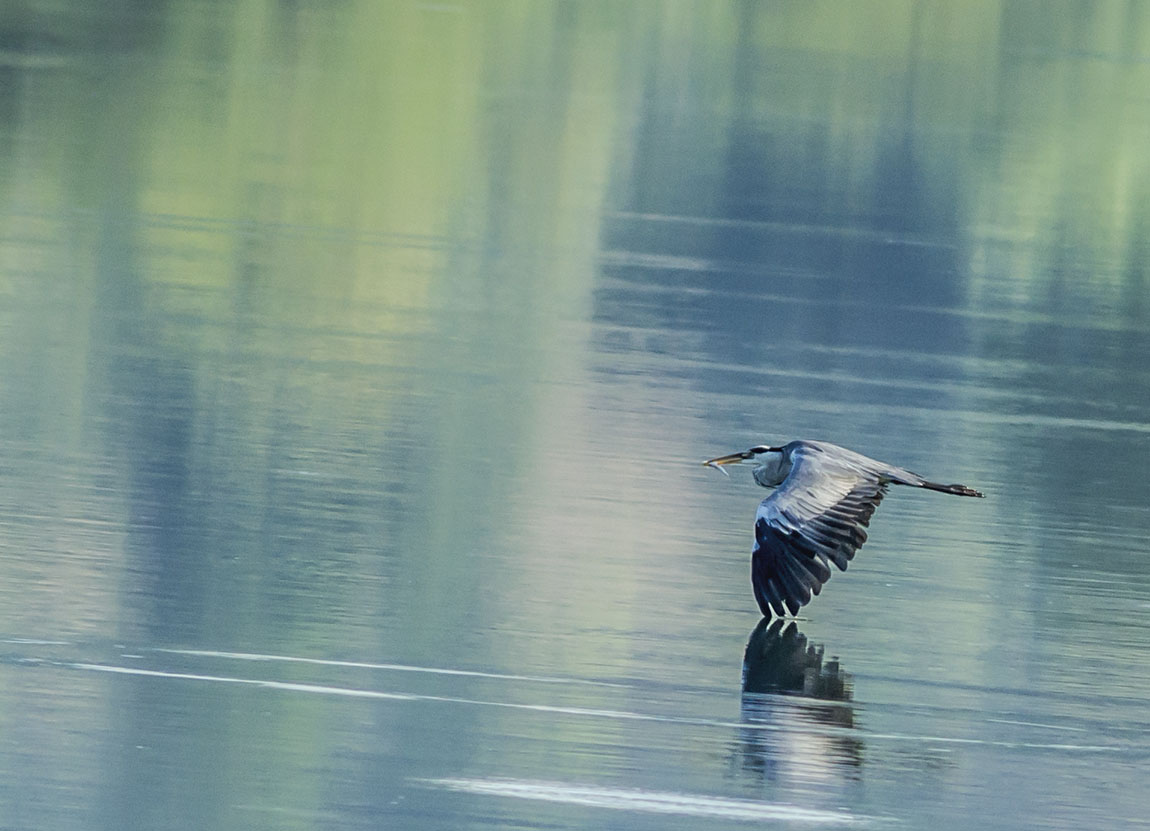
x=356 y=361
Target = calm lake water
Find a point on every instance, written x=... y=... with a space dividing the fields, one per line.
x=356 y=361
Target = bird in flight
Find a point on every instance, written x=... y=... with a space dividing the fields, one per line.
x=824 y=497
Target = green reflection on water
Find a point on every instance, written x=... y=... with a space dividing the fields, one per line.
x=297 y=298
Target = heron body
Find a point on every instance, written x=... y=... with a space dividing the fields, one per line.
x=823 y=500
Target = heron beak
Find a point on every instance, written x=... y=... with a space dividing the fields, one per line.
x=732 y=459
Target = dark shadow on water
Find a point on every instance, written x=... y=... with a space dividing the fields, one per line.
x=796 y=710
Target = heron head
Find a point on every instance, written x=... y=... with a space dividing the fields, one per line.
x=758 y=456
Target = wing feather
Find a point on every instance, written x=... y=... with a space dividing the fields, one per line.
x=796 y=593
x=815 y=517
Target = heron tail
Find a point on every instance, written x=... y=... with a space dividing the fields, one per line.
x=957 y=490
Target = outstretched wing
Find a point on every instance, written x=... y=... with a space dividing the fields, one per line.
x=814 y=518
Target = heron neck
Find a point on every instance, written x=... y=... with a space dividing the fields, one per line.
x=772 y=469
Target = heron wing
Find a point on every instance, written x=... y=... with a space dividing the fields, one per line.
x=814 y=518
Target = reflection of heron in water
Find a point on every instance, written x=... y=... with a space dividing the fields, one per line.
x=796 y=710
x=779 y=659
x=825 y=496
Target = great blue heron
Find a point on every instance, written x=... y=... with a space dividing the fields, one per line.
x=825 y=496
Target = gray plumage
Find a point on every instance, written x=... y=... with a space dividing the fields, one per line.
x=824 y=498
